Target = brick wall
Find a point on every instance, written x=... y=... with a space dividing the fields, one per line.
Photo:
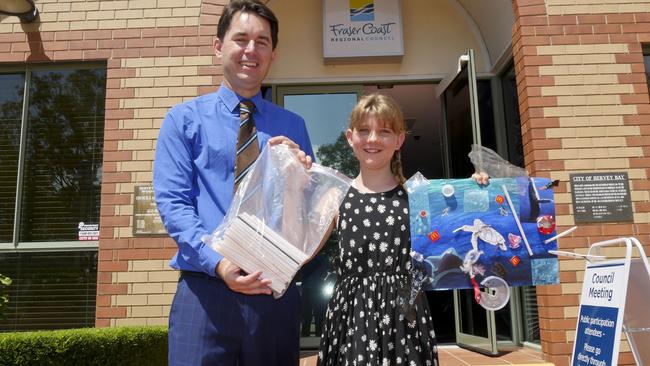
x=584 y=108
x=158 y=53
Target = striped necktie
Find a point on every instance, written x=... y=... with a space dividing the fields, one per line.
x=248 y=148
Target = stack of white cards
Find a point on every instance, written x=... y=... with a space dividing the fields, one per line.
x=253 y=246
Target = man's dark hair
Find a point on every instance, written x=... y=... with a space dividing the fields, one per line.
x=247 y=6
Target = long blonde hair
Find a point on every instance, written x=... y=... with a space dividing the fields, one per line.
x=388 y=111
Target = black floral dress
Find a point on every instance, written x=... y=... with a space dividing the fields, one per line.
x=364 y=324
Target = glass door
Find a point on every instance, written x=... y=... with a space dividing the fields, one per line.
x=325 y=109
x=475 y=326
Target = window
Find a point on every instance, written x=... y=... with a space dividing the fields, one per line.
x=50 y=290
x=530 y=316
x=51 y=143
x=10 y=117
x=51 y=149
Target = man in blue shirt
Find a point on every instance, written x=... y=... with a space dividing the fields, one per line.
x=219 y=315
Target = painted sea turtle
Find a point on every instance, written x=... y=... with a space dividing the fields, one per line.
x=485 y=232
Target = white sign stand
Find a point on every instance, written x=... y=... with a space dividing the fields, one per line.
x=636 y=323
x=615 y=296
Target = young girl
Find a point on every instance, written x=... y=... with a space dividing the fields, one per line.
x=364 y=323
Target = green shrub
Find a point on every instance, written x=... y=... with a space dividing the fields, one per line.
x=120 y=346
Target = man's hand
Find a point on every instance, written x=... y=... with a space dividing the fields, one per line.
x=250 y=284
x=481 y=178
x=304 y=159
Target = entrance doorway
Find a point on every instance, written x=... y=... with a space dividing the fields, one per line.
x=326 y=109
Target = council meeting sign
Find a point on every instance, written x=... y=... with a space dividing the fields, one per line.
x=360 y=28
x=602 y=304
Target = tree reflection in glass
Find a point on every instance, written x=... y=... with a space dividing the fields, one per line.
x=63 y=153
x=11 y=103
x=318 y=276
x=337 y=155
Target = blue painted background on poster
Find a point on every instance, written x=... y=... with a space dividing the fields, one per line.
x=450 y=217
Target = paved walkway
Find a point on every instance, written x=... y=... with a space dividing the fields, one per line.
x=455 y=356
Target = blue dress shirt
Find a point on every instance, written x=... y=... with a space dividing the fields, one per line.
x=194 y=167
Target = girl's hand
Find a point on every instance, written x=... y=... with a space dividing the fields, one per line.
x=304 y=159
x=481 y=178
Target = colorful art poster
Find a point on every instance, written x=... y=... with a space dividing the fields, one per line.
x=463 y=229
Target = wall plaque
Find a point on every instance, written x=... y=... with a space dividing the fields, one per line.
x=601 y=197
x=146 y=220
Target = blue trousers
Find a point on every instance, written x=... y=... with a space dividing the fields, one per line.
x=211 y=325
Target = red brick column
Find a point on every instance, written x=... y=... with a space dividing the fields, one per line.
x=584 y=108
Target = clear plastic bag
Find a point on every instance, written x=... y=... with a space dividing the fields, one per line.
x=279 y=216
x=488 y=161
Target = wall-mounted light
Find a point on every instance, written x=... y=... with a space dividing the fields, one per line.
x=23 y=9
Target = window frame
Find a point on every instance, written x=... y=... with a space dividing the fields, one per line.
x=15 y=244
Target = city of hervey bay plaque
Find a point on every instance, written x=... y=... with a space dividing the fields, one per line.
x=601 y=197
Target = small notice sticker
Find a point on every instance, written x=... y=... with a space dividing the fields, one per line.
x=88 y=231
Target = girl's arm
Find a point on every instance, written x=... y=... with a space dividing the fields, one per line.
x=328 y=203
x=328 y=233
